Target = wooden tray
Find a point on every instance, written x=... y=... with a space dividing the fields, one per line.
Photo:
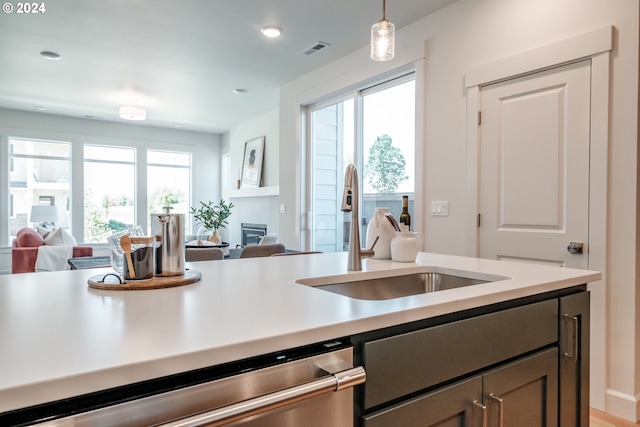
x=109 y=281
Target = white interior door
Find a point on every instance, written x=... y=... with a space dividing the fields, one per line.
x=534 y=167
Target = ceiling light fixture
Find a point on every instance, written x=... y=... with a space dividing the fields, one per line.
x=382 y=38
x=271 y=31
x=52 y=56
x=240 y=91
x=130 y=112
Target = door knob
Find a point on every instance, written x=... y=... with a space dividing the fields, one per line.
x=575 y=247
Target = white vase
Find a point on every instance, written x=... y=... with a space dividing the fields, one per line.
x=404 y=247
x=215 y=237
x=380 y=227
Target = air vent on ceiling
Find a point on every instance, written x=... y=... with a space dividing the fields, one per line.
x=316 y=47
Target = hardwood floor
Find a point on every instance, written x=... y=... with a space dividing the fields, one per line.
x=600 y=419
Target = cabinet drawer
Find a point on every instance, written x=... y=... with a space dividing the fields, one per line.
x=406 y=363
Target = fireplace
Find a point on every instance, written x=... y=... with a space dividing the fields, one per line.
x=252 y=233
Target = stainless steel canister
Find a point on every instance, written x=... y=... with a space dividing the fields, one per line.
x=168 y=230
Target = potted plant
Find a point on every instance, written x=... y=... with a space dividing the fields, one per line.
x=213 y=217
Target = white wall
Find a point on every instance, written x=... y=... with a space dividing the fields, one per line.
x=467 y=34
x=265 y=125
x=254 y=209
x=205 y=147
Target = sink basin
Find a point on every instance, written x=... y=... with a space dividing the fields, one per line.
x=397 y=286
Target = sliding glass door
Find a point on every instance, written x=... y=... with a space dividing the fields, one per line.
x=375 y=130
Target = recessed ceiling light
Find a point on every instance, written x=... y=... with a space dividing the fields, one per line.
x=52 y=56
x=240 y=91
x=271 y=31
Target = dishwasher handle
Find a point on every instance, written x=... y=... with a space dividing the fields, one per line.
x=258 y=405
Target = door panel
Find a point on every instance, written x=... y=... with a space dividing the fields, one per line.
x=449 y=406
x=534 y=167
x=527 y=391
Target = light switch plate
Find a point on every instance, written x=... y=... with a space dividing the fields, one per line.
x=283 y=208
x=439 y=208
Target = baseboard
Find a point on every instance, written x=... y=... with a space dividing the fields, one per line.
x=623 y=405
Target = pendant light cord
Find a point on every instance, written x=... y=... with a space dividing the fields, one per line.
x=384 y=10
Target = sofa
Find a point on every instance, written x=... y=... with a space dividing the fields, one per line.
x=24 y=249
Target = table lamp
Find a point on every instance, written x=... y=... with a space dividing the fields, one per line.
x=43 y=215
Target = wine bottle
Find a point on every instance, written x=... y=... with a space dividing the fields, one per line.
x=405 y=217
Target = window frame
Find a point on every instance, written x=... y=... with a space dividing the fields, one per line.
x=8 y=147
x=92 y=160
x=188 y=167
x=357 y=94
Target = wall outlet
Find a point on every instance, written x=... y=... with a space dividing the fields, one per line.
x=440 y=208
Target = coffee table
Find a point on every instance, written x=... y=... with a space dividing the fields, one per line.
x=82 y=263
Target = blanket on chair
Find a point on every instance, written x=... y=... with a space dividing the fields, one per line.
x=53 y=258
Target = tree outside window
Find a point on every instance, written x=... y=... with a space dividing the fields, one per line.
x=385 y=168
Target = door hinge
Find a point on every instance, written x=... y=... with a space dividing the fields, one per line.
x=478 y=221
x=479 y=118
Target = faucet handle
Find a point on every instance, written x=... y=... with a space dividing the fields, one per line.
x=373 y=245
x=368 y=253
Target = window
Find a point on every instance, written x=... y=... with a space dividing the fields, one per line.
x=39 y=174
x=168 y=182
x=109 y=191
x=106 y=180
x=373 y=129
x=332 y=148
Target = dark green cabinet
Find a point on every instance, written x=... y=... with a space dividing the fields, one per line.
x=523 y=393
x=518 y=366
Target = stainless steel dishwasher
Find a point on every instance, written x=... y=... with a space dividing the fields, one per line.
x=309 y=386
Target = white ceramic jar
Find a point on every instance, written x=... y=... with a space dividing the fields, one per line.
x=405 y=246
x=379 y=226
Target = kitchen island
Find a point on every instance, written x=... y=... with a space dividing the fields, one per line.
x=61 y=338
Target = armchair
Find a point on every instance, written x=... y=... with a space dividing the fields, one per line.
x=261 y=250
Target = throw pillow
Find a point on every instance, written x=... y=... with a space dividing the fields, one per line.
x=27 y=238
x=44 y=231
x=60 y=237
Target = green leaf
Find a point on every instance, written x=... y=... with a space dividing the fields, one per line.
x=213 y=217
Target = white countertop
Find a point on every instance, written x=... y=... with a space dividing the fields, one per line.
x=60 y=338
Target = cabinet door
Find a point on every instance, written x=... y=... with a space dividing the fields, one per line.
x=523 y=393
x=574 y=360
x=451 y=406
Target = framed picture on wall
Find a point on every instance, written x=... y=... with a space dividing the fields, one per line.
x=252 y=163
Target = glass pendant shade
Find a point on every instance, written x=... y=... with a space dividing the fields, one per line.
x=382 y=40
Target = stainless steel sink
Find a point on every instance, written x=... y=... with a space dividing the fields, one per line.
x=397 y=286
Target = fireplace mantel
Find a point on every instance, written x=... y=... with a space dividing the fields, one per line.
x=254 y=192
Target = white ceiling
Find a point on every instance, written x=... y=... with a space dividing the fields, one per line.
x=180 y=60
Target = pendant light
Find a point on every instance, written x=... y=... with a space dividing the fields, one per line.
x=132 y=112
x=382 y=38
